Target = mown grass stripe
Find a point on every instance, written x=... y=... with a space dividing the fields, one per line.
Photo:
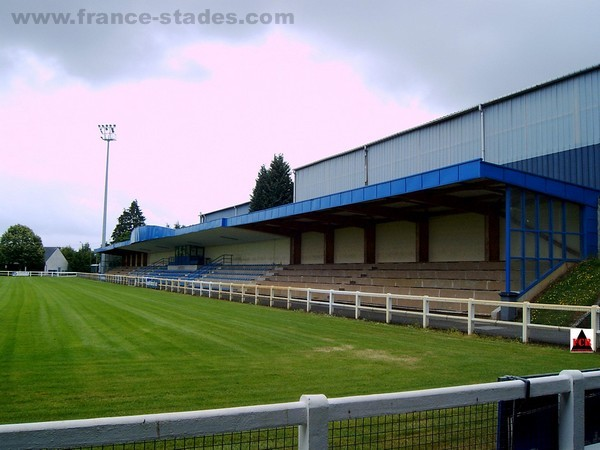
x=72 y=348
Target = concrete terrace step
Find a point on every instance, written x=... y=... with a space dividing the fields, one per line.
x=473 y=279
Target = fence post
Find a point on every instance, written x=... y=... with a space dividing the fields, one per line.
x=571 y=413
x=356 y=305
x=388 y=307
x=425 y=311
x=330 y=302
x=230 y=292
x=526 y=321
x=289 y=297
x=471 y=315
x=256 y=291
x=314 y=434
x=271 y=296
x=308 y=292
x=594 y=324
x=243 y=292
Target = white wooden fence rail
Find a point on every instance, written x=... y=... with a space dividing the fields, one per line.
x=465 y=310
x=312 y=414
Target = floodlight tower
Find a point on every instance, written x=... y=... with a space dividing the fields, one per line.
x=107 y=133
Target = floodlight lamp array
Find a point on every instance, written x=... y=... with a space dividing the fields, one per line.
x=107 y=132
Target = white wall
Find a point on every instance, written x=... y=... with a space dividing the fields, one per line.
x=459 y=237
x=155 y=257
x=396 y=242
x=264 y=252
x=349 y=245
x=57 y=262
x=313 y=248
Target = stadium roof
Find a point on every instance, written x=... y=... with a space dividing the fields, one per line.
x=474 y=186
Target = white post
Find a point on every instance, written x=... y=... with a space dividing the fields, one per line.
x=271 y=297
x=289 y=297
x=314 y=435
x=256 y=294
x=388 y=307
x=425 y=311
x=594 y=318
x=526 y=321
x=331 y=302
x=471 y=316
x=571 y=413
x=356 y=305
x=308 y=293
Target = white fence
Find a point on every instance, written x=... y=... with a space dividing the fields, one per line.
x=465 y=313
x=27 y=273
x=314 y=420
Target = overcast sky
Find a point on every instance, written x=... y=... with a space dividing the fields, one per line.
x=200 y=107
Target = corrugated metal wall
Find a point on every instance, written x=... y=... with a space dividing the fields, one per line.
x=552 y=119
x=443 y=144
x=552 y=130
x=342 y=173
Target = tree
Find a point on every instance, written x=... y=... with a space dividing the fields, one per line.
x=21 y=248
x=128 y=220
x=274 y=186
x=80 y=260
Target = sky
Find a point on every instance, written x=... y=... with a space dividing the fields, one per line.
x=201 y=103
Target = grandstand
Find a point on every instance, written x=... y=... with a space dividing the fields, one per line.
x=485 y=203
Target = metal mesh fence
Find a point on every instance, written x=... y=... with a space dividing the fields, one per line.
x=455 y=428
x=285 y=438
x=521 y=423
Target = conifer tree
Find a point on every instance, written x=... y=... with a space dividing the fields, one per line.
x=130 y=218
x=274 y=186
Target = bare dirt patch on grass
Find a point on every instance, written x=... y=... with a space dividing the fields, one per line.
x=375 y=355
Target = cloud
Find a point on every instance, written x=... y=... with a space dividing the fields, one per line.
x=189 y=143
x=199 y=108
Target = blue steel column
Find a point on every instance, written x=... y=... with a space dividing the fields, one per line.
x=507 y=243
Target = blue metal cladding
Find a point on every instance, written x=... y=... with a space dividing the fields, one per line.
x=579 y=166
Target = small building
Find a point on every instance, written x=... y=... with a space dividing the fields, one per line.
x=54 y=260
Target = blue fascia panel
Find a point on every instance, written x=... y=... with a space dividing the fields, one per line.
x=370 y=193
x=534 y=183
x=357 y=195
x=449 y=175
x=383 y=190
x=515 y=178
x=414 y=183
x=398 y=187
x=325 y=202
x=430 y=179
x=470 y=170
x=543 y=185
x=346 y=198
x=492 y=171
x=336 y=200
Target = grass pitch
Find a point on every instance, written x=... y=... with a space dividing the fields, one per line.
x=72 y=348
